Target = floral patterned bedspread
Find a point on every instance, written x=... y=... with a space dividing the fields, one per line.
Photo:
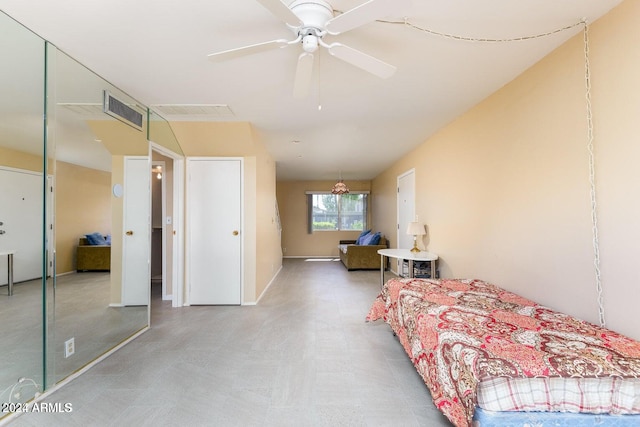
x=461 y=332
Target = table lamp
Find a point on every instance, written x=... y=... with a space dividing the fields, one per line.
x=416 y=229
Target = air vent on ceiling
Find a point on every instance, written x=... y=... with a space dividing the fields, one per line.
x=86 y=110
x=195 y=111
x=121 y=111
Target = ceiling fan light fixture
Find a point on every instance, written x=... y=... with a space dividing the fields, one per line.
x=310 y=21
x=314 y=14
x=310 y=43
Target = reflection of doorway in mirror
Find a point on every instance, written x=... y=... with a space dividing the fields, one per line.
x=136 y=247
x=21 y=215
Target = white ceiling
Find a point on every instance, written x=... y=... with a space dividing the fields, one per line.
x=156 y=50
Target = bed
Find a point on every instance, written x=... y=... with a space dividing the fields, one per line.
x=491 y=357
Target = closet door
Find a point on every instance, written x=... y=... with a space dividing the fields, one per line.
x=136 y=246
x=21 y=229
x=214 y=236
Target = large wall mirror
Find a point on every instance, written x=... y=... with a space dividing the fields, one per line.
x=22 y=214
x=102 y=205
x=67 y=181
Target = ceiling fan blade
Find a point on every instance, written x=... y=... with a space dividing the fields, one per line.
x=360 y=15
x=281 y=11
x=362 y=60
x=304 y=70
x=248 y=50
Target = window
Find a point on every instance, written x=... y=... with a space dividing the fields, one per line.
x=328 y=211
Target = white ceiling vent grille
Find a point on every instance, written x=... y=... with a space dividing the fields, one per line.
x=86 y=110
x=121 y=111
x=195 y=111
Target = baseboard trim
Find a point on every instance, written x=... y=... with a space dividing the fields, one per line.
x=273 y=279
x=67 y=273
x=313 y=256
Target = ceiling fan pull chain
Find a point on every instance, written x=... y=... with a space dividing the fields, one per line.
x=319 y=87
x=592 y=176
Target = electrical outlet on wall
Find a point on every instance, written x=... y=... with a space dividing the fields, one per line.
x=69 y=347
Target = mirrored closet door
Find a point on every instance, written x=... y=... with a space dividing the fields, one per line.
x=66 y=136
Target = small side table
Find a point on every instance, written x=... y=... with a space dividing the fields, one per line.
x=9 y=255
x=408 y=255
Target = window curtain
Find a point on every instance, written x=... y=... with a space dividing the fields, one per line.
x=309 y=213
x=365 y=211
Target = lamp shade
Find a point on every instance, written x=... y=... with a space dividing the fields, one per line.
x=416 y=229
x=340 y=188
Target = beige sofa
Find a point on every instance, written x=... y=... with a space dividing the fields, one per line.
x=360 y=257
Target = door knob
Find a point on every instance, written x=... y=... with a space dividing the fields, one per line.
x=236 y=232
x=129 y=233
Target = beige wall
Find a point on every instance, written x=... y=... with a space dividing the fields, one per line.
x=268 y=254
x=292 y=202
x=505 y=189
x=83 y=206
x=20 y=160
x=117 y=230
x=119 y=138
x=616 y=96
x=262 y=257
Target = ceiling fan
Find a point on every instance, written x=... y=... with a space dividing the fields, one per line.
x=310 y=21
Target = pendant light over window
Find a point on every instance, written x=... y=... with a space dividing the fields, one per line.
x=340 y=187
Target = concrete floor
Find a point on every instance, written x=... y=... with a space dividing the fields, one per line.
x=303 y=356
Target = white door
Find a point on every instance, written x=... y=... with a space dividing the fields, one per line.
x=136 y=279
x=406 y=209
x=21 y=223
x=214 y=219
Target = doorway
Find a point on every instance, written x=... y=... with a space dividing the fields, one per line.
x=406 y=210
x=166 y=226
x=159 y=282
